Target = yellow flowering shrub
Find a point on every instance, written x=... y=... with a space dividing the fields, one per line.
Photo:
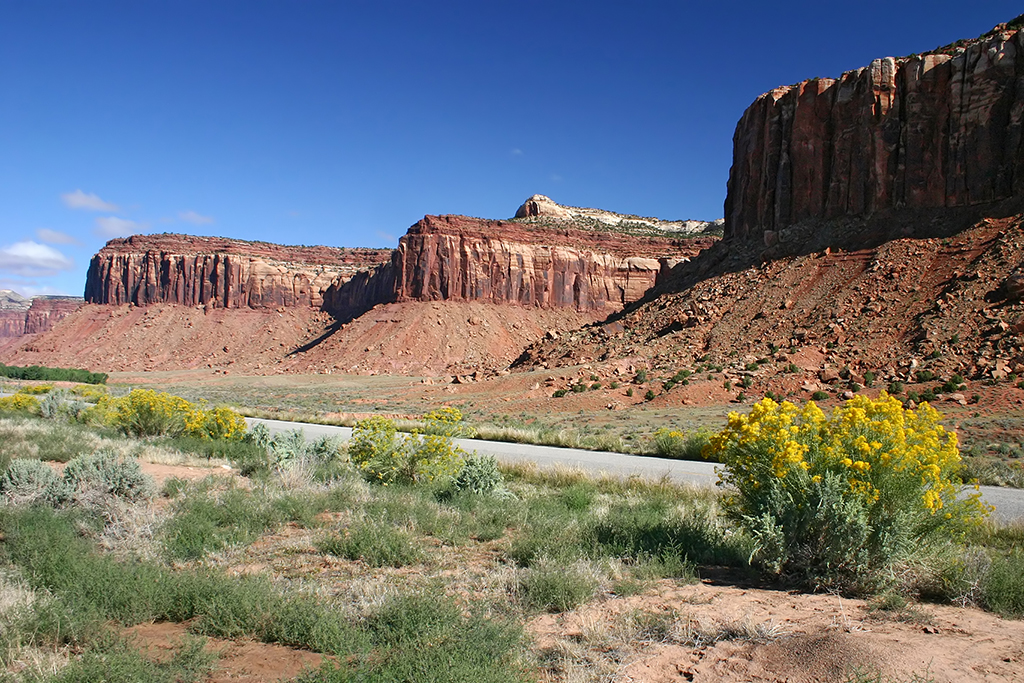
x=19 y=402
x=844 y=498
x=223 y=423
x=145 y=412
x=387 y=458
x=447 y=421
x=89 y=392
x=36 y=389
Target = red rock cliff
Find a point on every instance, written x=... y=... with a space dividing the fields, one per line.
x=933 y=131
x=224 y=273
x=46 y=311
x=32 y=316
x=547 y=265
x=12 y=323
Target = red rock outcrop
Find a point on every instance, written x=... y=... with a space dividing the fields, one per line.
x=12 y=323
x=932 y=131
x=20 y=316
x=46 y=311
x=457 y=258
x=219 y=272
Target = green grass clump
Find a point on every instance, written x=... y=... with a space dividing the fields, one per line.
x=115 y=660
x=1002 y=589
x=425 y=637
x=550 y=586
x=377 y=544
x=206 y=519
x=679 y=445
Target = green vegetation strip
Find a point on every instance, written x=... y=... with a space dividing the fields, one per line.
x=411 y=637
x=43 y=373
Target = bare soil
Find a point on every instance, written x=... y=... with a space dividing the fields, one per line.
x=763 y=633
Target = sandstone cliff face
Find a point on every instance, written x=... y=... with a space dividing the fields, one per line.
x=12 y=323
x=20 y=316
x=456 y=258
x=219 y=272
x=13 y=307
x=933 y=131
x=46 y=311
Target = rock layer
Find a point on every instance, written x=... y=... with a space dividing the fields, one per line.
x=938 y=130
x=540 y=206
x=12 y=323
x=47 y=311
x=20 y=316
x=457 y=258
x=219 y=272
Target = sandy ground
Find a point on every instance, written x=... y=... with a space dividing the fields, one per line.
x=778 y=636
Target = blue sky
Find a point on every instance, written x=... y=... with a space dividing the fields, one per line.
x=342 y=123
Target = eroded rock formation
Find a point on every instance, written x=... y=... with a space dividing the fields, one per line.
x=219 y=272
x=457 y=258
x=20 y=315
x=932 y=131
x=46 y=311
x=542 y=207
x=12 y=323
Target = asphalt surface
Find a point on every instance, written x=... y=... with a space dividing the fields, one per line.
x=1009 y=503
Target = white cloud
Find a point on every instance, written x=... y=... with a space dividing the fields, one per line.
x=31 y=259
x=55 y=237
x=31 y=288
x=516 y=152
x=194 y=218
x=112 y=226
x=87 y=202
x=390 y=239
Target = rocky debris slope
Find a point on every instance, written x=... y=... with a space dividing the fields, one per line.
x=925 y=132
x=566 y=265
x=319 y=309
x=945 y=306
x=873 y=234
x=219 y=272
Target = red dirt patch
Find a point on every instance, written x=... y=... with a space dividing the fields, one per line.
x=240 y=661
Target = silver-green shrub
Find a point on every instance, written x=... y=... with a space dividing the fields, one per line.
x=110 y=473
x=26 y=478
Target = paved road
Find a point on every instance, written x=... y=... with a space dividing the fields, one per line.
x=1009 y=503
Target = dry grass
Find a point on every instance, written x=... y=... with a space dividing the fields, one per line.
x=18 y=654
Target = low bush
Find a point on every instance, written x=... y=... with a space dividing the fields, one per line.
x=385 y=458
x=19 y=403
x=109 y=473
x=36 y=389
x=550 y=586
x=479 y=474
x=26 y=479
x=843 y=501
x=144 y=412
x=378 y=544
x=676 y=444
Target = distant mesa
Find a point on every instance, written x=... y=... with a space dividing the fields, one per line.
x=540 y=206
x=20 y=315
